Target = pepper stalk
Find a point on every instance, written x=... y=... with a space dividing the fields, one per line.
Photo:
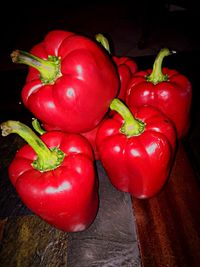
x=49 y=68
x=131 y=126
x=37 y=127
x=157 y=75
x=103 y=41
x=47 y=159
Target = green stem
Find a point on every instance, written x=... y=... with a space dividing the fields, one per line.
x=46 y=159
x=103 y=41
x=131 y=126
x=49 y=68
x=37 y=127
x=157 y=75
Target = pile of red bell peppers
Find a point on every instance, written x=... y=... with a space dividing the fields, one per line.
x=94 y=105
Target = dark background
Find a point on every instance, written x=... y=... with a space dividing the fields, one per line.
x=25 y=24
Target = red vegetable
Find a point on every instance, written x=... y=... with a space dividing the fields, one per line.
x=126 y=66
x=137 y=150
x=91 y=137
x=166 y=89
x=54 y=176
x=71 y=81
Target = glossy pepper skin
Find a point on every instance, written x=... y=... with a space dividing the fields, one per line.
x=126 y=66
x=91 y=137
x=70 y=83
x=137 y=149
x=54 y=176
x=165 y=89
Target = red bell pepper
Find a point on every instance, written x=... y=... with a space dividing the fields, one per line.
x=70 y=83
x=137 y=149
x=91 y=137
x=164 y=88
x=54 y=176
x=126 y=66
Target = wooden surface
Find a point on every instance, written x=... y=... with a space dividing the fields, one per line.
x=168 y=225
